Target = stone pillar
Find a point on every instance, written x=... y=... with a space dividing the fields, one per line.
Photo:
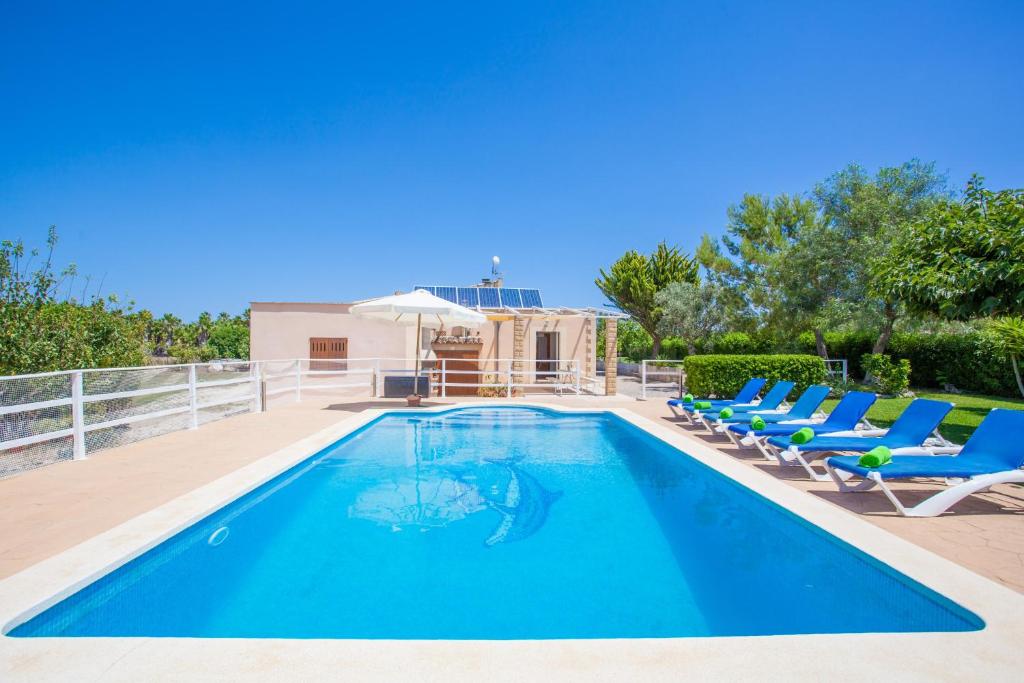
x=590 y=354
x=611 y=356
x=518 y=350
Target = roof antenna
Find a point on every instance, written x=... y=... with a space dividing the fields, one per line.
x=495 y=273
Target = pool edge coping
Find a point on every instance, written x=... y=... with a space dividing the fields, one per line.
x=38 y=587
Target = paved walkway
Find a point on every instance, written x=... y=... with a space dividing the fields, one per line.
x=54 y=508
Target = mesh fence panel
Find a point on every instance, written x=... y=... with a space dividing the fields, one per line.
x=117 y=408
x=111 y=437
x=111 y=381
x=239 y=392
x=213 y=413
x=18 y=390
x=33 y=422
x=215 y=372
x=16 y=460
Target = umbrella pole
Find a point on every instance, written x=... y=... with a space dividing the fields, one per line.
x=419 y=334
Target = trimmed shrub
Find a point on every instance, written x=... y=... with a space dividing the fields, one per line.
x=970 y=362
x=891 y=378
x=723 y=375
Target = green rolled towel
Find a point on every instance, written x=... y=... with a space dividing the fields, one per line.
x=724 y=413
x=702 y=405
x=876 y=457
x=758 y=422
x=688 y=398
x=802 y=435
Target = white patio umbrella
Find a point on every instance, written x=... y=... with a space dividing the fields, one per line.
x=422 y=309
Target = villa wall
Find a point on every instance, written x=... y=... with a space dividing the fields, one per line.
x=281 y=330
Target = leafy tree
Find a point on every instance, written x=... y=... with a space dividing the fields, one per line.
x=961 y=259
x=164 y=333
x=230 y=339
x=1008 y=333
x=690 y=311
x=633 y=281
x=863 y=216
x=226 y=336
x=41 y=332
x=771 y=264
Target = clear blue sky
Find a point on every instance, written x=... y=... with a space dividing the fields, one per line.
x=201 y=155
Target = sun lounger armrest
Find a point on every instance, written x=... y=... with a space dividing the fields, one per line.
x=928 y=450
x=858 y=433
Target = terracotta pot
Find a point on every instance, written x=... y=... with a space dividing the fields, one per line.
x=413 y=400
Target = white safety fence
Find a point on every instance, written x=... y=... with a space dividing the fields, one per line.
x=661 y=377
x=667 y=376
x=837 y=369
x=51 y=417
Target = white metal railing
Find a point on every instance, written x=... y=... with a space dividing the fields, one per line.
x=49 y=417
x=667 y=375
x=836 y=368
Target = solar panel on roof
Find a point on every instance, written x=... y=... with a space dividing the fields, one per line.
x=531 y=298
x=511 y=297
x=489 y=297
x=468 y=297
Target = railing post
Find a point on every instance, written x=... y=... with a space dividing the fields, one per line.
x=298 y=379
x=257 y=380
x=643 y=380
x=576 y=368
x=510 y=365
x=193 y=402
x=444 y=377
x=77 y=416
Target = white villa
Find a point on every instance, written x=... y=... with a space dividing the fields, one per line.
x=542 y=345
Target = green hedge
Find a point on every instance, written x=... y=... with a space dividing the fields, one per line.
x=723 y=375
x=969 y=362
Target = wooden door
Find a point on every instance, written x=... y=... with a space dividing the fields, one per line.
x=547 y=354
x=461 y=367
x=324 y=352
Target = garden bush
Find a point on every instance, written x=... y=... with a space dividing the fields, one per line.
x=891 y=378
x=970 y=362
x=723 y=375
x=736 y=343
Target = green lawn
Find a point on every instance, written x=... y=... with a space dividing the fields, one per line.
x=959 y=424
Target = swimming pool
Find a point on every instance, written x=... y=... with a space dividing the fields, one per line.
x=499 y=523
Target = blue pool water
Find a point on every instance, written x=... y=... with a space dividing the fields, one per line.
x=495 y=523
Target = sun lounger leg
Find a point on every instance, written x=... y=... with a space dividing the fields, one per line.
x=736 y=440
x=842 y=480
x=767 y=450
x=944 y=500
x=811 y=472
x=704 y=422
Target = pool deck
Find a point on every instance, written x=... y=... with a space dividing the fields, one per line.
x=57 y=519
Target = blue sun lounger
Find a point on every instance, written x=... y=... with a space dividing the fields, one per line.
x=768 y=404
x=912 y=429
x=845 y=417
x=803 y=409
x=745 y=395
x=994 y=454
